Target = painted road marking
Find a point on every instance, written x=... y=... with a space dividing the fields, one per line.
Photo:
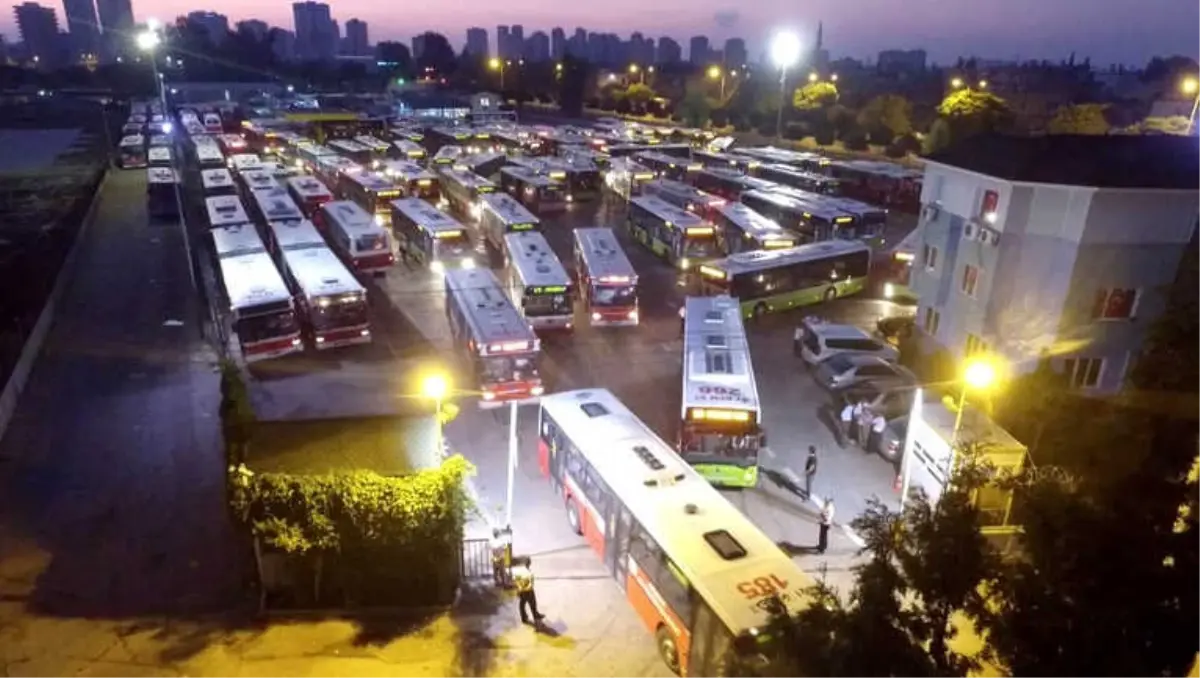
x=858 y=541
x=770 y=452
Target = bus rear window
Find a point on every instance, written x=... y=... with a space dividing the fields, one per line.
x=725 y=545
x=370 y=242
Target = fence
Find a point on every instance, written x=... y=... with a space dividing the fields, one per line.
x=476 y=559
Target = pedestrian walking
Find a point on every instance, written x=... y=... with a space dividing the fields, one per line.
x=863 y=422
x=502 y=557
x=856 y=414
x=522 y=573
x=682 y=318
x=826 y=519
x=798 y=341
x=810 y=470
x=878 y=425
x=844 y=420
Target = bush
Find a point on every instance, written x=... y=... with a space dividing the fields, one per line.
x=880 y=135
x=823 y=135
x=623 y=107
x=797 y=130
x=855 y=140
x=719 y=117
x=903 y=145
x=607 y=104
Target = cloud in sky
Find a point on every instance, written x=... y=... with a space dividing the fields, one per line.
x=727 y=18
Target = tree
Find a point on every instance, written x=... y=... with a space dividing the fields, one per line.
x=1176 y=124
x=571 y=86
x=694 y=108
x=972 y=111
x=815 y=95
x=1168 y=361
x=938 y=137
x=888 y=111
x=395 y=58
x=437 y=54
x=639 y=94
x=1079 y=119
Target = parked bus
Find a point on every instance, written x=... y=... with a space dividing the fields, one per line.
x=212 y=123
x=352 y=150
x=486 y=165
x=580 y=175
x=463 y=189
x=446 y=156
x=275 y=204
x=410 y=150
x=225 y=210
x=777 y=280
x=721 y=420
x=501 y=214
x=131 y=152
x=331 y=168
x=217 y=181
x=260 y=306
x=135 y=125
x=308 y=154
x=669 y=167
x=539 y=193
x=894 y=269
x=161 y=193
x=333 y=303
x=362 y=242
x=430 y=236
x=678 y=236
x=293 y=235
x=698 y=573
x=869 y=220
x=501 y=346
x=309 y=193
x=261 y=137
x=607 y=281
x=725 y=161
x=685 y=196
x=627 y=179
x=378 y=147
x=373 y=192
x=741 y=229
x=209 y=156
x=537 y=282
x=258 y=179
x=786 y=175
x=813 y=221
x=244 y=162
x=414 y=181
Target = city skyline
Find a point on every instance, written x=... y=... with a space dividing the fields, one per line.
x=991 y=31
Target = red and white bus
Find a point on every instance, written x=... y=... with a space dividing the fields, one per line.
x=309 y=193
x=373 y=192
x=607 y=281
x=293 y=235
x=331 y=168
x=502 y=347
x=364 y=244
x=233 y=144
x=333 y=302
x=260 y=305
x=700 y=575
x=275 y=204
x=225 y=210
x=217 y=181
x=212 y=123
x=131 y=152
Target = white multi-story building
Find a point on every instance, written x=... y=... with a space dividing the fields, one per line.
x=1056 y=247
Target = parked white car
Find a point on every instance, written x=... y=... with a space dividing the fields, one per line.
x=816 y=341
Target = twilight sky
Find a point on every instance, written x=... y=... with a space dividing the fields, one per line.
x=1126 y=31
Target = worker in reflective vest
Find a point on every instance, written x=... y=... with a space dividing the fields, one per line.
x=502 y=557
x=523 y=578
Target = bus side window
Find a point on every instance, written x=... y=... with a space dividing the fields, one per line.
x=702 y=629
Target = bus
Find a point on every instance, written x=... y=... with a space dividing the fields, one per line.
x=626 y=178
x=786 y=175
x=430 y=236
x=725 y=161
x=352 y=150
x=331 y=168
x=261 y=137
x=233 y=144
x=225 y=210
x=501 y=214
x=669 y=167
x=260 y=306
x=501 y=346
x=414 y=181
x=217 y=181
x=463 y=189
x=741 y=229
x=814 y=221
x=257 y=179
x=724 y=183
x=606 y=279
x=363 y=243
x=308 y=154
x=721 y=421
x=698 y=573
x=410 y=150
x=131 y=152
x=678 y=236
x=276 y=204
x=446 y=156
x=537 y=282
x=161 y=197
x=777 y=280
x=486 y=165
x=378 y=147
x=136 y=124
x=894 y=269
x=293 y=235
x=332 y=301
x=209 y=156
x=685 y=196
x=539 y=193
x=373 y=192
x=580 y=175
x=212 y=123
x=869 y=220
x=244 y=162
x=159 y=156
x=309 y=193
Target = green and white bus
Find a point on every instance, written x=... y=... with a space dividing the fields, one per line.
x=678 y=236
x=814 y=219
x=741 y=229
x=777 y=280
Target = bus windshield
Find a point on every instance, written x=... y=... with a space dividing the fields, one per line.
x=267 y=326
x=452 y=245
x=614 y=295
x=699 y=247
x=546 y=304
x=502 y=368
x=370 y=242
x=339 y=314
x=737 y=445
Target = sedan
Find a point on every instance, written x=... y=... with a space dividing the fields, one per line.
x=843 y=370
x=890 y=445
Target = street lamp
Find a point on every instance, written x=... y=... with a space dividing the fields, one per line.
x=1191 y=87
x=718 y=73
x=813 y=77
x=983 y=84
x=634 y=69
x=833 y=77
x=785 y=52
x=499 y=65
x=956 y=83
x=979 y=374
x=436 y=388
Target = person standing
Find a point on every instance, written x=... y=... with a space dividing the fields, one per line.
x=682 y=318
x=810 y=470
x=523 y=577
x=863 y=421
x=856 y=414
x=502 y=557
x=878 y=425
x=844 y=421
x=825 y=520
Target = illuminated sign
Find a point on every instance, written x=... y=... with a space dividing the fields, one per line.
x=710 y=272
x=702 y=414
x=485 y=189
x=779 y=244
x=700 y=230
x=843 y=220
x=389 y=194
x=448 y=234
x=521 y=227
x=548 y=289
x=904 y=256
x=424 y=182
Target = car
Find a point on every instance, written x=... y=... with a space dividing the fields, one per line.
x=843 y=370
x=895 y=329
x=891 y=402
x=815 y=341
x=890 y=445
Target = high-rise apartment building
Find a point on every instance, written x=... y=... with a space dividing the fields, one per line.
x=577 y=44
x=214 y=26
x=503 y=43
x=669 y=51
x=418 y=46
x=698 y=50
x=357 y=42
x=83 y=26
x=558 y=43
x=254 y=28
x=735 y=53
x=538 y=47
x=477 y=42
x=516 y=41
x=316 y=32
x=283 y=44
x=116 y=22
x=39 y=31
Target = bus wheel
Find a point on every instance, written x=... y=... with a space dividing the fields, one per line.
x=831 y=294
x=667 y=649
x=573 y=517
x=759 y=311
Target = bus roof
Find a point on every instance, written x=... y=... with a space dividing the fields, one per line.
x=159 y=154
x=370 y=142
x=245 y=161
x=749 y=262
x=308 y=186
x=319 y=273
x=667 y=212
x=225 y=210
x=347 y=146
x=376 y=182
x=209 y=153
x=466 y=178
x=339 y=164
x=712 y=543
x=408 y=146
x=296 y=235
x=717 y=372
x=681 y=191
x=529 y=176
x=669 y=160
x=314 y=149
x=603 y=256
x=252 y=280
x=767 y=232
x=236 y=240
x=160 y=175
x=405 y=170
x=810 y=203
x=631 y=166
x=790 y=170
x=276 y=204
x=535 y=262
x=259 y=178
x=216 y=178
x=507 y=208
x=350 y=216
x=492 y=319
x=426 y=216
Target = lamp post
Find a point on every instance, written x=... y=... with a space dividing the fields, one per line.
x=785 y=52
x=436 y=388
x=1191 y=87
x=512 y=463
x=634 y=69
x=499 y=65
x=718 y=73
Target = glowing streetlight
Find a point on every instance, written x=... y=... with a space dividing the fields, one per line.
x=1191 y=87
x=436 y=387
x=785 y=52
x=956 y=83
x=983 y=84
x=813 y=77
x=558 y=67
x=633 y=68
x=717 y=73
x=148 y=41
x=833 y=77
x=499 y=65
x=978 y=374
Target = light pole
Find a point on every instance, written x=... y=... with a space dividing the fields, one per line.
x=499 y=65
x=1191 y=87
x=512 y=463
x=634 y=69
x=785 y=52
x=718 y=73
x=436 y=387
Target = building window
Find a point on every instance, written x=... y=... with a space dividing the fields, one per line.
x=991 y=201
x=1114 y=304
x=970 y=279
x=929 y=256
x=932 y=320
x=975 y=345
x=1083 y=372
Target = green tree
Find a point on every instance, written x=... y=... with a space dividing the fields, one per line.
x=1079 y=119
x=888 y=111
x=973 y=111
x=694 y=108
x=938 y=137
x=572 y=85
x=639 y=94
x=815 y=95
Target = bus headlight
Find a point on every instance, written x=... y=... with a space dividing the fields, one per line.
x=379 y=219
x=685 y=263
x=633 y=315
x=475 y=211
x=468 y=263
x=889 y=291
x=537 y=390
x=596 y=317
x=437 y=267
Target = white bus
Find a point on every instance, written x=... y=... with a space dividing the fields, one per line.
x=309 y=193
x=685 y=196
x=217 y=181
x=353 y=232
x=260 y=305
x=626 y=178
x=721 y=429
x=378 y=147
x=260 y=178
x=430 y=236
x=334 y=304
x=275 y=204
x=678 y=236
x=539 y=192
x=501 y=346
x=537 y=282
x=131 y=152
x=209 y=156
x=294 y=235
x=161 y=196
x=699 y=574
x=244 y=162
x=353 y=150
x=500 y=215
x=373 y=191
x=159 y=156
x=668 y=166
x=212 y=123
x=414 y=181
x=331 y=169
x=464 y=189
x=741 y=229
x=410 y=150
x=225 y=210
x=606 y=279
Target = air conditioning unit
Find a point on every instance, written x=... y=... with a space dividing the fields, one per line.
x=989 y=237
x=971 y=230
x=930 y=212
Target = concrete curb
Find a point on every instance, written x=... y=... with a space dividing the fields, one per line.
x=32 y=348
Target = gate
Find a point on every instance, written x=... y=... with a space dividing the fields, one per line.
x=476 y=559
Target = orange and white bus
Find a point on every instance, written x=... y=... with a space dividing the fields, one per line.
x=700 y=575
x=353 y=232
x=607 y=280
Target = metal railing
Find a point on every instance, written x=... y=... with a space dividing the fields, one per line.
x=476 y=559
